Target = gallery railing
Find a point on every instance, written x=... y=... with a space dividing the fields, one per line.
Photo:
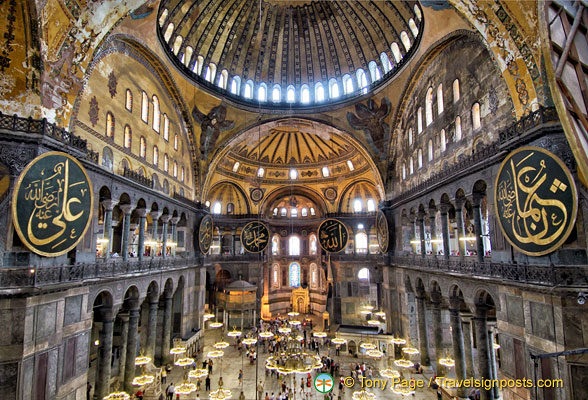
x=551 y=275
x=32 y=277
x=137 y=177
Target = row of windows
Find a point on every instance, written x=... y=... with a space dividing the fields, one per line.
x=293 y=172
x=304 y=212
x=294 y=244
x=294 y=275
x=156 y=123
x=261 y=92
x=128 y=133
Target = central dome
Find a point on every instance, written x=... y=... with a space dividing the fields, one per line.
x=289 y=54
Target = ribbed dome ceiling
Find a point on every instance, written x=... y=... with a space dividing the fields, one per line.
x=294 y=46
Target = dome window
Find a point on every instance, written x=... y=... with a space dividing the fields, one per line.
x=357 y=206
x=350 y=165
x=325 y=171
x=312 y=212
x=276 y=94
x=236 y=166
x=347 y=84
x=216 y=208
x=293 y=174
x=386 y=64
x=283 y=212
x=294 y=212
x=333 y=88
x=319 y=92
x=290 y=95
x=305 y=94
x=260 y=172
x=371 y=205
x=304 y=212
x=248 y=92
x=235 y=85
x=262 y=92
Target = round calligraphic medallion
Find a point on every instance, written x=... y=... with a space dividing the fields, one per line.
x=52 y=204
x=255 y=237
x=333 y=235
x=536 y=201
x=256 y=194
x=382 y=231
x=205 y=234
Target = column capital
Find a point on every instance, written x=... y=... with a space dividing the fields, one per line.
x=174 y=220
x=109 y=204
x=411 y=218
x=126 y=208
x=142 y=212
x=481 y=311
x=105 y=314
x=459 y=202
x=155 y=215
x=421 y=215
x=477 y=199
x=454 y=303
x=165 y=218
x=436 y=298
x=444 y=208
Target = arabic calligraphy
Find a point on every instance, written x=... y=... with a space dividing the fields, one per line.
x=333 y=235
x=205 y=233
x=52 y=204
x=536 y=201
x=255 y=237
x=382 y=231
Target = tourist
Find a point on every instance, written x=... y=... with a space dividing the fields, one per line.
x=207 y=383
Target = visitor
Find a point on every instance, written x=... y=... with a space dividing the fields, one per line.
x=139 y=394
x=163 y=376
x=240 y=377
x=207 y=383
x=259 y=390
x=170 y=391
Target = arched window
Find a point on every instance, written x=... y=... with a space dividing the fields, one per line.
x=476 y=122
x=357 y=206
x=155 y=155
x=166 y=127
x=223 y=79
x=410 y=139
x=361 y=243
x=413 y=28
x=177 y=44
x=235 y=85
x=156 y=114
x=290 y=95
x=294 y=212
x=260 y=172
x=371 y=205
x=430 y=149
x=216 y=208
x=262 y=92
x=107 y=158
x=319 y=92
x=275 y=213
x=312 y=244
x=109 y=125
x=210 y=72
x=396 y=52
x=283 y=212
x=325 y=171
x=294 y=246
x=420 y=120
x=403 y=171
x=386 y=64
x=143 y=147
x=275 y=243
x=439 y=99
x=411 y=165
x=313 y=275
x=420 y=158
x=294 y=275
x=230 y=208
x=183 y=175
x=145 y=107
x=304 y=212
x=293 y=174
x=350 y=165
x=455 y=90
x=236 y=166
x=362 y=82
x=312 y=211
x=128 y=137
x=417 y=12
x=429 y=107
x=175 y=169
x=176 y=140
x=162 y=17
x=443 y=140
x=305 y=94
x=374 y=71
x=187 y=56
x=168 y=32
x=276 y=276
x=457 y=128
x=198 y=65
x=165 y=162
x=405 y=40
x=276 y=93
x=347 y=84
x=363 y=274
x=129 y=100
x=333 y=88
x=248 y=92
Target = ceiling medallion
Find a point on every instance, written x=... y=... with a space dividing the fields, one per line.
x=330 y=193
x=256 y=194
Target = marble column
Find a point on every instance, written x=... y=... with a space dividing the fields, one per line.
x=421 y=224
x=152 y=327
x=478 y=226
x=433 y=225
x=466 y=320
x=460 y=227
x=124 y=337
x=484 y=367
x=103 y=367
x=165 y=221
x=126 y=209
x=458 y=343
x=445 y=230
x=174 y=226
x=108 y=206
x=167 y=320
x=437 y=332
x=154 y=233
x=493 y=368
x=132 y=340
x=413 y=233
x=423 y=337
x=142 y=212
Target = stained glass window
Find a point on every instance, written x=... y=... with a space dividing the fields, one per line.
x=295 y=275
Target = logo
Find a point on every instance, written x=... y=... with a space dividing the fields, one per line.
x=324 y=383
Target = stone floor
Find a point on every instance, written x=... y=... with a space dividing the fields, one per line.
x=232 y=361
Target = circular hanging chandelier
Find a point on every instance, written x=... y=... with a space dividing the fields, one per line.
x=373 y=322
x=266 y=334
x=410 y=350
x=215 y=324
x=319 y=334
x=177 y=350
x=249 y=341
x=368 y=346
x=142 y=360
x=402 y=390
x=293 y=360
x=117 y=396
x=365 y=312
x=294 y=322
x=363 y=395
x=220 y=394
x=389 y=373
x=380 y=314
x=285 y=330
x=143 y=380
x=293 y=314
x=197 y=373
x=375 y=353
x=184 y=362
x=208 y=316
x=234 y=333
x=398 y=341
x=215 y=354
x=448 y=362
x=496 y=346
x=404 y=363
x=368 y=307
x=185 y=388
x=221 y=345
x=339 y=341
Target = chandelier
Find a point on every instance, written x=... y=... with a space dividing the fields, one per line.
x=266 y=335
x=398 y=341
x=215 y=354
x=185 y=388
x=184 y=362
x=363 y=395
x=197 y=373
x=293 y=314
x=234 y=333
x=380 y=314
x=496 y=346
x=368 y=346
x=215 y=324
x=220 y=394
x=339 y=341
x=390 y=373
x=177 y=350
x=404 y=363
x=410 y=350
x=293 y=360
x=373 y=322
x=142 y=360
x=117 y=396
x=365 y=312
x=143 y=380
x=294 y=322
x=221 y=345
x=402 y=390
x=249 y=341
x=285 y=330
x=319 y=334
x=448 y=362
x=375 y=353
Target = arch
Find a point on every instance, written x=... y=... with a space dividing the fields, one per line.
x=440 y=106
x=210 y=72
x=430 y=149
x=144 y=107
x=363 y=274
x=305 y=94
x=312 y=244
x=236 y=85
x=274 y=196
x=420 y=120
x=413 y=28
x=294 y=245
x=128 y=137
x=290 y=94
x=229 y=192
x=262 y=92
x=198 y=65
x=386 y=64
x=362 y=81
x=410 y=138
x=168 y=32
x=143 y=147
x=456 y=94
x=476 y=120
x=276 y=242
x=163 y=17
x=276 y=93
x=248 y=89
x=363 y=190
x=107 y=158
x=420 y=158
x=294 y=275
x=177 y=44
x=458 y=133
x=165 y=127
x=156 y=114
x=319 y=92
x=405 y=40
x=429 y=107
x=155 y=156
x=129 y=100
x=187 y=56
x=347 y=84
x=361 y=243
x=109 y=131
x=333 y=88
x=223 y=79
x=374 y=71
x=396 y=52
x=443 y=140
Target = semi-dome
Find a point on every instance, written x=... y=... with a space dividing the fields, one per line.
x=292 y=53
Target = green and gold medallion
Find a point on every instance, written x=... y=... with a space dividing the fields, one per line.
x=205 y=234
x=382 y=231
x=255 y=237
x=333 y=235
